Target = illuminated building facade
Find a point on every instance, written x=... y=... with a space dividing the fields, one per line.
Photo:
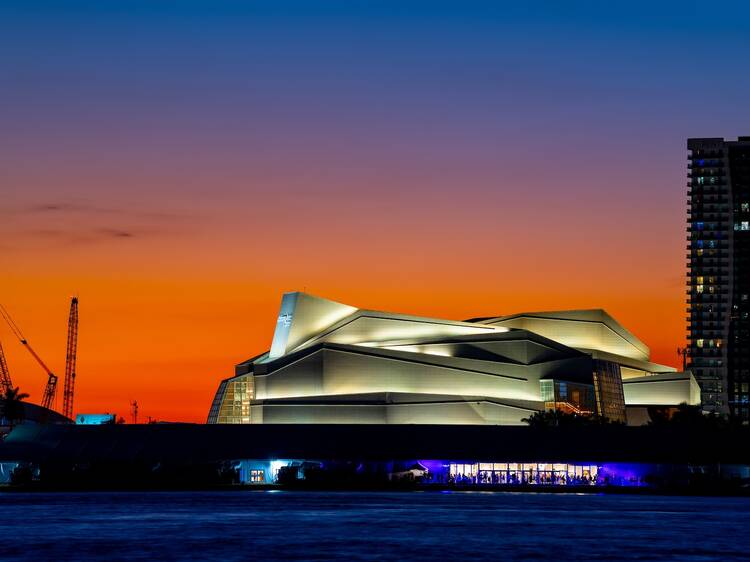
x=719 y=272
x=334 y=363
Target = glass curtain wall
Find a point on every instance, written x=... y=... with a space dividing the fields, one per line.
x=523 y=473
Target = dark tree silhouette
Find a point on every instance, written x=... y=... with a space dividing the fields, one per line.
x=685 y=415
x=12 y=405
x=556 y=418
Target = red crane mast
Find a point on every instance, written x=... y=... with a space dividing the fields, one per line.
x=5 y=382
x=70 y=359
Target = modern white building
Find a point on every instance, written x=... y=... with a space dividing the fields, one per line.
x=334 y=363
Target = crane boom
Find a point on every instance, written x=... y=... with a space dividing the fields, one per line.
x=70 y=359
x=5 y=382
x=51 y=388
x=13 y=327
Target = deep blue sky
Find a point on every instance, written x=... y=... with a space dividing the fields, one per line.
x=456 y=159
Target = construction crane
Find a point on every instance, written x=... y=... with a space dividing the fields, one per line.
x=5 y=383
x=70 y=360
x=51 y=388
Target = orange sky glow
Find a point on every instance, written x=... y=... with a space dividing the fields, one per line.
x=179 y=167
x=169 y=309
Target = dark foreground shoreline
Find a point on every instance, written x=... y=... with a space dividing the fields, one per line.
x=702 y=491
x=679 y=461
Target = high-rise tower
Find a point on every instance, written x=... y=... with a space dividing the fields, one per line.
x=718 y=282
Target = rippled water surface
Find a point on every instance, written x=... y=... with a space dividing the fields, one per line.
x=371 y=526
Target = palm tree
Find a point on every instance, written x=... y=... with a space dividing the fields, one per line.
x=12 y=405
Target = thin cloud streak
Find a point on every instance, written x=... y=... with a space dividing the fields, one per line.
x=60 y=208
x=59 y=223
x=82 y=236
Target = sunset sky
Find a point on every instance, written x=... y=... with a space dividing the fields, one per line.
x=180 y=165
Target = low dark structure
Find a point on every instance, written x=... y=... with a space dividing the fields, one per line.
x=30 y=413
x=203 y=443
x=188 y=455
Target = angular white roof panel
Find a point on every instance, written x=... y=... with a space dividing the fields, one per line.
x=581 y=329
x=307 y=320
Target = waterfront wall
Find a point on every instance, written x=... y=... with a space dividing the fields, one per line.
x=166 y=455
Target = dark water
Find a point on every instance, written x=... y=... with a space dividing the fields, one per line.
x=368 y=526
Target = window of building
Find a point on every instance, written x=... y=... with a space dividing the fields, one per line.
x=608 y=393
x=547 y=388
x=699 y=288
x=699 y=225
x=745 y=207
x=699 y=343
x=745 y=225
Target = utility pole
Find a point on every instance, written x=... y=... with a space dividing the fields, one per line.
x=134 y=411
